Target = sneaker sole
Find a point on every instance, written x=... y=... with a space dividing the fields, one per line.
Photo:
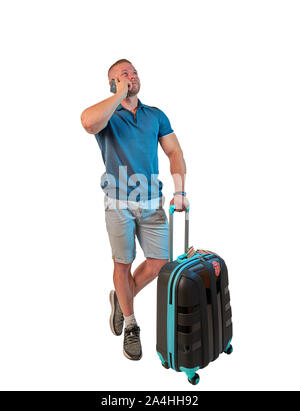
x=111 y=318
x=131 y=358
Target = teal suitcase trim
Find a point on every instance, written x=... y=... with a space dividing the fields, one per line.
x=161 y=357
x=190 y=372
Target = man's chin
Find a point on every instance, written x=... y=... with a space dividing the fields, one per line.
x=133 y=92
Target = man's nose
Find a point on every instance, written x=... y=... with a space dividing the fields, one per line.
x=132 y=77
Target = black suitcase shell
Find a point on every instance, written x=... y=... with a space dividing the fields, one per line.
x=193 y=313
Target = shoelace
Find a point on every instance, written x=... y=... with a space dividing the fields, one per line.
x=132 y=335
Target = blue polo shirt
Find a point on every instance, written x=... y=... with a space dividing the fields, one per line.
x=128 y=145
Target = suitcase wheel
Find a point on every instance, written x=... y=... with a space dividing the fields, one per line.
x=194 y=380
x=165 y=365
x=229 y=350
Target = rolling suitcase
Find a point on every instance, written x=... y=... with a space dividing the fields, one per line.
x=193 y=308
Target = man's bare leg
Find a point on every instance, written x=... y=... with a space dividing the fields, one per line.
x=127 y=285
x=124 y=287
x=146 y=272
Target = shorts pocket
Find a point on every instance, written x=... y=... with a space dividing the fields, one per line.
x=155 y=217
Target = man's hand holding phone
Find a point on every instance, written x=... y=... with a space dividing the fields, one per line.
x=120 y=86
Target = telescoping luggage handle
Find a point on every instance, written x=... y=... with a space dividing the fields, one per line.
x=186 y=230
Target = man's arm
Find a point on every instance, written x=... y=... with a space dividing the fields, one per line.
x=172 y=149
x=95 y=118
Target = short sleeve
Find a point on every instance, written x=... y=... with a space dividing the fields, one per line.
x=101 y=134
x=164 y=125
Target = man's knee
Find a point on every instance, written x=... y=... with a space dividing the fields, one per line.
x=155 y=266
x=121 y=268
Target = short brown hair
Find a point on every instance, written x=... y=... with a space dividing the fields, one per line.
x=118 y=62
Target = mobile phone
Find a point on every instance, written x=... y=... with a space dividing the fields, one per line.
x=113 y=87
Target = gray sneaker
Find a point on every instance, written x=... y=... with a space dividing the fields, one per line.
x=116 y=319
x=132 y=348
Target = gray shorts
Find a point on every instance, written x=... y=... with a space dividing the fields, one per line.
x=146 y=220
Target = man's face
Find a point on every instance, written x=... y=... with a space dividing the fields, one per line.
x=126 y=70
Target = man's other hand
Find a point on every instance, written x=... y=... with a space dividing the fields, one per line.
x=181 y=202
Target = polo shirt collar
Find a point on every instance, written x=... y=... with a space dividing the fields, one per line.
x=140 y=104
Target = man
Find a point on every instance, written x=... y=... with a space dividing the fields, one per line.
x=128 y=133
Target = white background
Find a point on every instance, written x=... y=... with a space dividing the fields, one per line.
x=227 y=75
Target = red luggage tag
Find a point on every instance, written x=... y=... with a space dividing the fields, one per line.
x=217 y=267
